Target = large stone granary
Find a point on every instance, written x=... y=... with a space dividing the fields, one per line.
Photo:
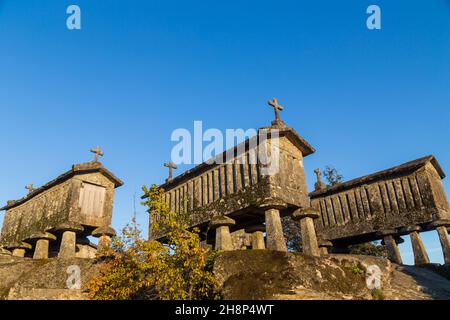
x=57 y=218
x=237 y=203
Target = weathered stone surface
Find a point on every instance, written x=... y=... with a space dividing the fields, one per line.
x=241 y=239
x=221 y=221
x=223 y=239
x=420 y=254
x=18 y=253
x=67 y=249
x=274 y=231
x=236 y=186
x=309 y=238
x=29 y=279
x=445 y=242
x=105 y=230
x=325 y=247
x=410 y=194
x=250 y=274
x=305 y=217
x=83 y=196
x=392 y=249
x=257 y=236
x=41 y=249
x=259 y=275
x=257 y=239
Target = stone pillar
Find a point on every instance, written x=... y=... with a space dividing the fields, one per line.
x=18 y=252
x=104 y=235
x=223 y=237
x=42 y=240
x=257 y=237
x=325 y=247
x=19 y=249
x=274 y=230
x=420 y=254
x=441 y=228
x=306 y=216
x=68 y=246
x=391 y=245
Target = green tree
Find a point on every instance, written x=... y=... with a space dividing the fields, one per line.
x=332 y=176
x=136 y=268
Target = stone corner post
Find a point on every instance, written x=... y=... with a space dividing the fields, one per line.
x=420 y=254
x=325 y=247
x=69 y=231
x=274 y=230
x=257 y=237
x=19 y=249
x=441 y=227
x=306 y=216
x=42 y=240
x=390 y=243
x=222 y=225
x=104 y=235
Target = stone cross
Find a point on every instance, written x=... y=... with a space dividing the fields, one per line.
x=319 y=184
x=171 y=166
x=30 y=188
x=97 y=153
x=274 y=104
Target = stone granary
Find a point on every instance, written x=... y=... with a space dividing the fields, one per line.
x=384 y=206
x=57 y=218
x=237 y=206
x=238 y=191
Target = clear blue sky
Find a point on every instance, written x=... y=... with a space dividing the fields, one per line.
x=137 y=70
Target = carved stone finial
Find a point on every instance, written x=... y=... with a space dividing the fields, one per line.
x=171 y=166
x=274 y=104
x=30 y=188
x=97 y=153
x=319 y=184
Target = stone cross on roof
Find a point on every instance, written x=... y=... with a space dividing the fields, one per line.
x=30 y=188
x=171 y=166
x=97 y=153
x=274 y=104
x=319 y=184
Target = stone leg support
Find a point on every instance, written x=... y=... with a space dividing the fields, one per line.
x=104 y=235
x=305 y=217
x=41 y=249
x=223 y=239
x=258 y=240
x=420 y=254
x=325 y=247
x=274 y=231
x=222 y=225
x=18 y=253
x=445 y=243
x=68 y=245
x=104 y=241
x=392 y=249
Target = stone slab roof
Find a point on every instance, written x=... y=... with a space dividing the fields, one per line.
x=88 y=167
x=406 y=167
x=290 y=133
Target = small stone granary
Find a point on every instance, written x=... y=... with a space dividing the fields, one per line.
x=237 y=204
x=57 y=218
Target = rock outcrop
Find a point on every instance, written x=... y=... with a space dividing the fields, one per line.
x=246 y=274
x=262 y=274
